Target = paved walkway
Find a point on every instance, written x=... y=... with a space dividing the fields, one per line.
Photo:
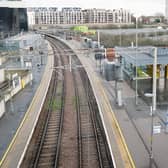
x=16 y=108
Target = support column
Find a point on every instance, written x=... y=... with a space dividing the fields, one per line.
x=161 y=76
x=154 y=79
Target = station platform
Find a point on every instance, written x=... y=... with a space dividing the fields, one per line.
x=132 y=122
x=15 y=151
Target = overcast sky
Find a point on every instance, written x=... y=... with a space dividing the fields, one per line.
x=140 y=7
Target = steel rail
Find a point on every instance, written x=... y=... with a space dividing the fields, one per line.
x=47 y=120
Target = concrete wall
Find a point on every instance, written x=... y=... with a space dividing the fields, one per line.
x=2 y=108
x=2 y=60
x=2 y=75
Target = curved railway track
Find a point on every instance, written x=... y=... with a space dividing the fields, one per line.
x=47 y=153
x=87 y=136
x=69 y=132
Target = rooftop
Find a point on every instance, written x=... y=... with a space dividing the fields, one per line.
x=143 y=55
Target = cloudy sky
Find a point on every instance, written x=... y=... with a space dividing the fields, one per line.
x=146 y=7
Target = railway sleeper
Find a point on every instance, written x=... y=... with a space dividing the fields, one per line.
x=54 y=114
x=49 y=146
x=51 y=131
x=46 y=161
x=48 y=154
x=87 y=136
x=54 y=127
x=86 y=132
x=55 y=121
x=46 y=150
x=51 y=135
x=50 y=140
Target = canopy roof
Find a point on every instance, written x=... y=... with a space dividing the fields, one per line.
x=143 y=55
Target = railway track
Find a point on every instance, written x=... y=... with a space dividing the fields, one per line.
x=101 y=143
x=47 y=155
x=88 y=143
x=70 y=133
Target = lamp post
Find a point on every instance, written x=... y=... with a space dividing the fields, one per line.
x=151 y=140
x=151 y=134
x=136 y=42
x=153 y=107
x=154 y=79
x=136 y=72
x=98 y=38
x=10 y=87
x=116 y=80
x=120 y=28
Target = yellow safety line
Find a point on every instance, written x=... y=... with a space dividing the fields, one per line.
x=119 y=133
x=124 y=151
x=20 y=126
x=17 y=132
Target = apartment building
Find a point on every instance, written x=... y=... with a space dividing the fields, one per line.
x=95 y=15
x=71 y=16
x=107 y=16
x=43 y=16
x=77 y=16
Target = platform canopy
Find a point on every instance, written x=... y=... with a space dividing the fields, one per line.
x=143 y=56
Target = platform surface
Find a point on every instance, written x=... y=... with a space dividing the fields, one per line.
x=15 y=152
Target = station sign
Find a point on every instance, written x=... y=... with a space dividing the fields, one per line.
x=157 y=129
